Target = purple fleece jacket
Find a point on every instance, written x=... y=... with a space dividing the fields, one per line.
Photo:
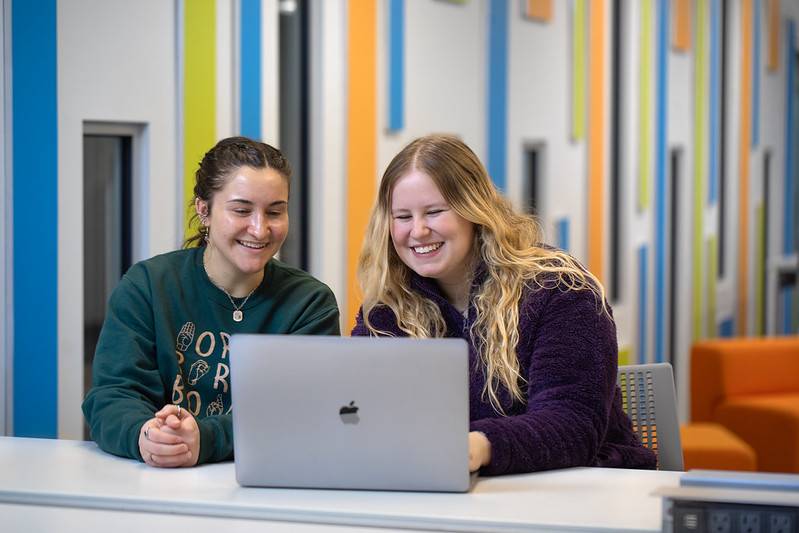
x=568 y=354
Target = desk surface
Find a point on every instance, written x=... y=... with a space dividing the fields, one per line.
x=40 y=476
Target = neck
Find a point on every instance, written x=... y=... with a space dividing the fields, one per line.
x=457 y=292
x=237 y=284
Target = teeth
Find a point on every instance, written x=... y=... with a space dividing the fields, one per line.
x=254 y=245
x=427 y=249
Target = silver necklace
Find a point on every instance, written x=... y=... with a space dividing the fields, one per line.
x=238 y=315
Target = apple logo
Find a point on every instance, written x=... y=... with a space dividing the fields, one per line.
x=349 y=413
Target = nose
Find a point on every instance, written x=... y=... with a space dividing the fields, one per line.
x=259 y=226
x=419 y=229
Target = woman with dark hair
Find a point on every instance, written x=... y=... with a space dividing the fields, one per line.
x=445 y=255
x=160 y=386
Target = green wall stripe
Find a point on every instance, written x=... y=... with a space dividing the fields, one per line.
x=700 y=149
x=578 y=70
x=199 y=89
x=645 y=105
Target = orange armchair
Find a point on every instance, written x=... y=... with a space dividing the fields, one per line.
x=751 y=387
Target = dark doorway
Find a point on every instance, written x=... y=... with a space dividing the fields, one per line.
x=533 y=170
x=107 y=231
x=294 y=134
x=673 y=206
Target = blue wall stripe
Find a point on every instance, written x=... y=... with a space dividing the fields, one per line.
x=497 y=91
x=715 y=15
x=791 y=121
x=643 y=286
x=727 y=328
x=250 y=57
x=35 y=252
x=664 y=8
x=756 y=76
x=787 y=310
x=563 y=234
x=396 y=65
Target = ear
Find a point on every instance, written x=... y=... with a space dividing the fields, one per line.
x=201 y=206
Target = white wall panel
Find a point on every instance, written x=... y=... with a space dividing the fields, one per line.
x=328 y=135
x=116 y=63
x=445 y=55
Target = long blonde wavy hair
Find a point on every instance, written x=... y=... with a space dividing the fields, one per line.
x=509 y=244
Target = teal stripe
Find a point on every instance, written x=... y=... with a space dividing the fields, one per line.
x=250 y=54
x=35 y=210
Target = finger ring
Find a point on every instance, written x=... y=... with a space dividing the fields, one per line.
x=178 y=412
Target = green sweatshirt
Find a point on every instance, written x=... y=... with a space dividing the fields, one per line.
x=165 y=340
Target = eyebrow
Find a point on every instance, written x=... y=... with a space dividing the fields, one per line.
x=250 y=202
x=443 y=205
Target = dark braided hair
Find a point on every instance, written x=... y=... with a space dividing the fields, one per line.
x=217 y=166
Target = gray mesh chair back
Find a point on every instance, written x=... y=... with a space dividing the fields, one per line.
x=649 y=399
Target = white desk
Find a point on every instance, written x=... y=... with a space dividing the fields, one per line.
x=73 y=486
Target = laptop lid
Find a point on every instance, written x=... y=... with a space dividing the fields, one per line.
x=350 y=412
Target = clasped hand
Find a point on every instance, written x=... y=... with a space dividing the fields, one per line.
x=170 y=439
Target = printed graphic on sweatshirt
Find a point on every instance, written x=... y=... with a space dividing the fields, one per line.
x=202 y=359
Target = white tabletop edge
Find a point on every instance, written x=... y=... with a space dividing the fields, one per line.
x=260 y=512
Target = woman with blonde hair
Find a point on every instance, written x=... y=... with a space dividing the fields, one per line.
x=445 y=255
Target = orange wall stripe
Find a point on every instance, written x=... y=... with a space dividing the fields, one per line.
x=745 y=144
x=773 y=34
x=596 y=143
x=361 y=137
x=681 y=36
x=539 y=9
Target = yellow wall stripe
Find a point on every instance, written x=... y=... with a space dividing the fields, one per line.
x=645 y=106
x=745 y=129
x=596 y=145
x=199 y=89
x=578 y=70
x=361 y=137
x=700 y=150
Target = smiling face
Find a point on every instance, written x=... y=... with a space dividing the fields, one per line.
x=248 y=222
x=428 y=235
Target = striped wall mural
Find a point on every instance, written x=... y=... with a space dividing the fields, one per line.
x=700 y=170
x=578 y=70
x=199 y=90
x=790 y=177
x=661 y=143
x=34 y=138
x=250 y=87
x=743 y=166
x=497 y=80
x=679 y=45
x=361 y=135
x=597 y=157
x=714 y=102
x=396 y=65
x=645 y=105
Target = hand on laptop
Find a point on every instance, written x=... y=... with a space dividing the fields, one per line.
x=170 y=439
x=479 y=450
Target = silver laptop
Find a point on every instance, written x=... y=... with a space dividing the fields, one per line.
x=350 y=413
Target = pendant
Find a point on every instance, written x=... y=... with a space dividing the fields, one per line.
x=238 y=316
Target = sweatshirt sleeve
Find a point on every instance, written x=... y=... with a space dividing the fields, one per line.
x=127 y=388
x=571 y=378
x=320 y=315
